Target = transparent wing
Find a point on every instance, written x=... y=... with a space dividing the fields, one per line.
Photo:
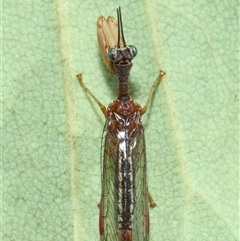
x=109 y=197
x=109 y=211
x=140 y=224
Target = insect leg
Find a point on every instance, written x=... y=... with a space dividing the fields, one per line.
x=102 y=107
x=150 y=199
x=153 y=88
x=107 y=30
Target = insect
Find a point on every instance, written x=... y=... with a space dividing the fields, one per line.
x=124 y=214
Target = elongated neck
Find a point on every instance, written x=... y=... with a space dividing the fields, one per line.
x=123 y=72
x=123 y=93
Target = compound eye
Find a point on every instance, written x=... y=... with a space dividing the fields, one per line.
x=112 y=54
x=133 y=50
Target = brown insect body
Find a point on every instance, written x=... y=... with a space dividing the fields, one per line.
x=124 y=214
x=123 y=124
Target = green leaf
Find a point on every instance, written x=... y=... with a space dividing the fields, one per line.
x=52 y=130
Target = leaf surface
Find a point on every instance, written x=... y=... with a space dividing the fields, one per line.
x=52 y=129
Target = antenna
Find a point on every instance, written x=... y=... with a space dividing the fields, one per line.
x=120 y=28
